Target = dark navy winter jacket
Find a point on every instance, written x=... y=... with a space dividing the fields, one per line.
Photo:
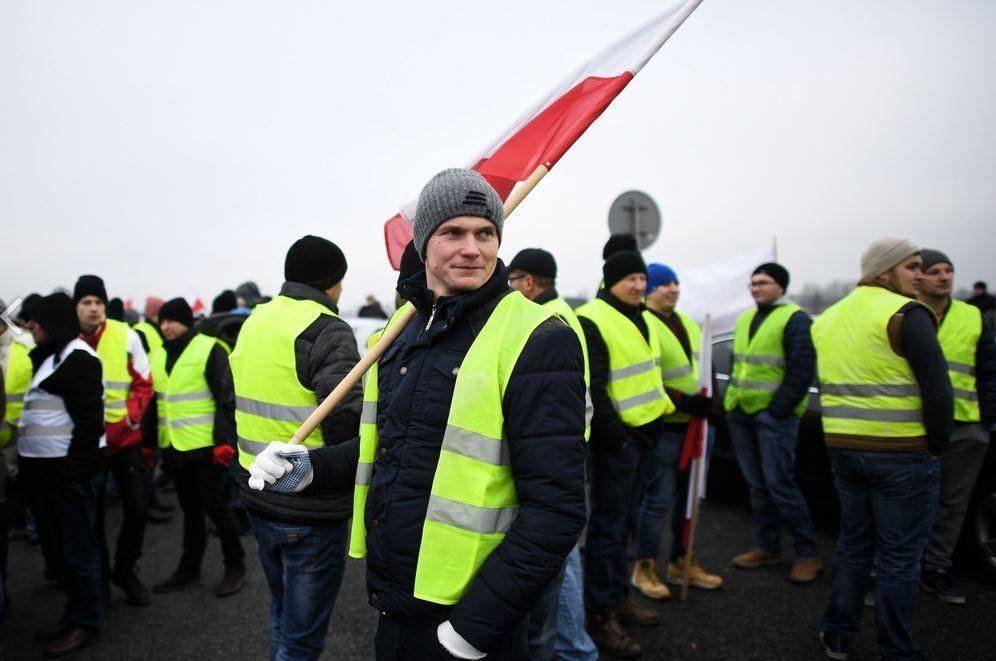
x=544 y=420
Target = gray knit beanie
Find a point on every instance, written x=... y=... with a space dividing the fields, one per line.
x=931 y=257
x=451 y=193
x=884 y=254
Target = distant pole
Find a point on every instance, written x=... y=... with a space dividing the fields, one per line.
x=774 y=247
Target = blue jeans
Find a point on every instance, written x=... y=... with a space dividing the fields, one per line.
x=573 y=642
x=304 y=566
x=657 y=494
x=887 y=505
x=543 y=621
x=765 y=449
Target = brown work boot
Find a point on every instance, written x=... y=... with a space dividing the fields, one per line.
x=805 y=570
x=610 y=637
x=647 y=581
x=697 y=577
x=630 y=613
x=75 y=639
x=756 y=558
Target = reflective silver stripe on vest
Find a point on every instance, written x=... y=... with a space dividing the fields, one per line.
x=43 y=431
x=368 y=416
x=697 y=355
x=363 y=474
x=45 y=405
x=632 y=370
x=962 y=368
x=476 y=446
x=636 y=400
x=869 y=390
x=483 y=520
x=14 y=399
x=657 y=361
x=207 y=418
x=752 y=384
x=122 y=404
x=188 y=396
x=759 y=360
x=676 y=372
x=874 y=415
x=277 y=412
x=966 y=395
x=117 y=385
x=252 y=447
x=589 y=407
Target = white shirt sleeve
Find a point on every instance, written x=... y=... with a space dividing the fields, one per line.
x=139 y=359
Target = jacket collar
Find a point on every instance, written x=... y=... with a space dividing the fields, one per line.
x=469 y=304
x=547 y=296
x=302 y=292
x=627 y=310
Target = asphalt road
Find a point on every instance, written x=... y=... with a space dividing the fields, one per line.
x=757 y=615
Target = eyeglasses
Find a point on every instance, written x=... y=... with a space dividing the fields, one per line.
x=513 y=278
x=761 y=283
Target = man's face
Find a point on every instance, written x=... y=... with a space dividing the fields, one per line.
x=665 y=296
x=764 y=289
x=172 y=329
x=906 y=277
x=630 y=289
x=522 y=282
x=91 y=311
x=938 y=280
x=37 y=332
x=461 y=255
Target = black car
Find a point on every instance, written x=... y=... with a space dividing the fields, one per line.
x=978 y=541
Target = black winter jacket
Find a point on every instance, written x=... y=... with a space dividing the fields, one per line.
x=324 y=353
x=544 y=418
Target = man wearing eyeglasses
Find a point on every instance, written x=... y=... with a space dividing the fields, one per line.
x=773 y=367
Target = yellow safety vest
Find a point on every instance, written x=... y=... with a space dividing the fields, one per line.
x=16 y=380
x=113 y=352
x=473 y=500
x=151 y=335
x=183 y=397
x=959 y=337
x=678 y=370
x=759 y=361
x=270 y=402
x=560 y=308
x=635 y=384
x=865 y=388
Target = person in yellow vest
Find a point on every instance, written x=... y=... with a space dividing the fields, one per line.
x=887 y=407
x=291 y=353
x=148 y=329
x=470 y=483
x=128 y=383
x=970 y=348
x=192 y=420
x=773 y=368
x=556 y=624
x=630 y=404
x=665 y=487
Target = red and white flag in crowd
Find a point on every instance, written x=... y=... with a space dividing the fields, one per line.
x=693 y=454
x=544 y=133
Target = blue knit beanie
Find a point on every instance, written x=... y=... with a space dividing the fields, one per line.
x=659 y=274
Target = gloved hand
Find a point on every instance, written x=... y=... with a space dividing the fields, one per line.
x=10 y=458
x=698 y=405
x=282 y=468
x=223 y=454
x=455 y=644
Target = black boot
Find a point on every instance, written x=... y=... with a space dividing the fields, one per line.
x=233 y=581
x=135 y=591
x=610 y=637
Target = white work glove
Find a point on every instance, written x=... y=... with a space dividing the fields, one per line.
x=455 y=644
x=10 y=458
x=282 y=468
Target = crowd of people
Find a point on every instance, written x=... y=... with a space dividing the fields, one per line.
x=499 y=431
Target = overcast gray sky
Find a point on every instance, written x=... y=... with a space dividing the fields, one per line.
x=178 y=148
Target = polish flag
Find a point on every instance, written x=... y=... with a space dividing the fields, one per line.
x=544 y=133
x=693 y=453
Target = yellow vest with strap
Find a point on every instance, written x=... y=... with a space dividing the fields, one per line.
x=113 y=351
x=183 y=397
x=560 y=308
x=270 y=402
x=16 y=380
x=759 y=361
x=473 y=500
x=865 y=388
x=959 y=337
x=635 y=384
x=678 y=370
x=152 y=337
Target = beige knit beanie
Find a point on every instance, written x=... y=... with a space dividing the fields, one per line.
x=884 y=254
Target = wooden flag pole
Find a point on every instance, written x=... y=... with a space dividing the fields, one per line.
x=392 y=333
x=696 y=474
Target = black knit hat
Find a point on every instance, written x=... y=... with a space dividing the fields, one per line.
x=115 y=309
x=177 y=310
x=89 y=285
x=56 y=314
x=535 y=261
x=931 y=257
x=224 y=302
x=621 y=264
x=24 y=314
x=777 y=272
x=410 y=263
x=314 y=261
x=618 y=243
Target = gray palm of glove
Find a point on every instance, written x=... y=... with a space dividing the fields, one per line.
x=281 y=468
